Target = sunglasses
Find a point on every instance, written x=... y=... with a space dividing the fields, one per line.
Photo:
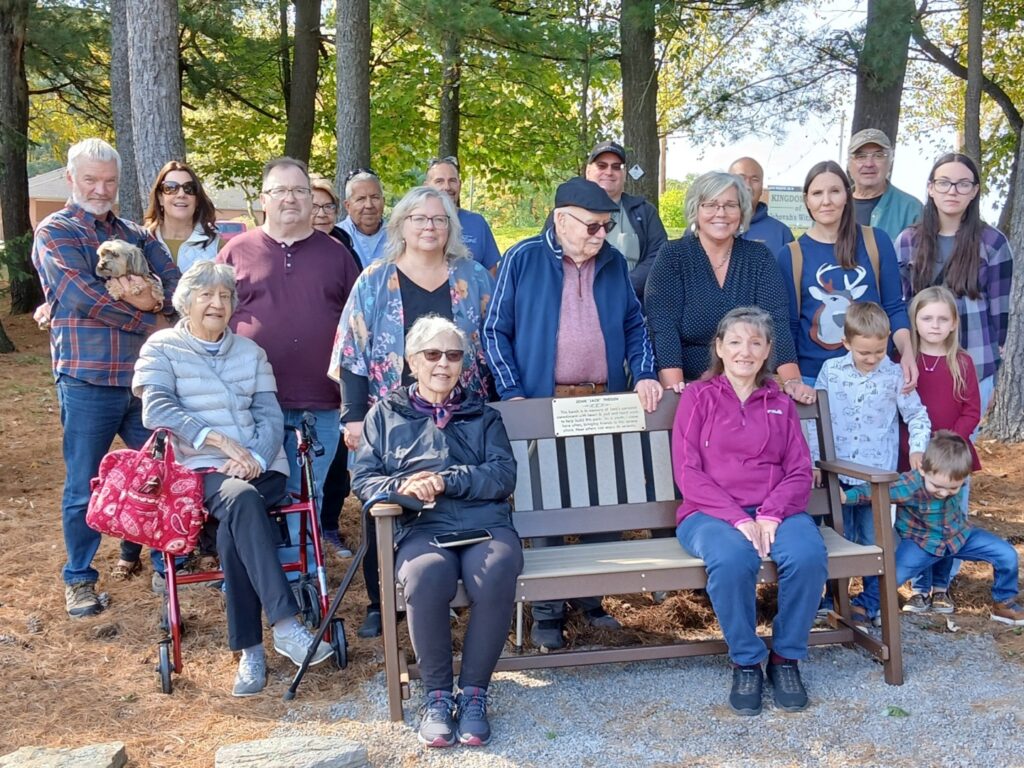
x=450 y=160
x=595 y=226
x=452 y=355
x=358 y=171
x=190 y=188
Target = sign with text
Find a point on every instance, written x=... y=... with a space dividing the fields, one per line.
x=598 y=415
x=787 y=205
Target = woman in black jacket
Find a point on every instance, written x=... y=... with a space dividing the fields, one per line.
x=433 y=441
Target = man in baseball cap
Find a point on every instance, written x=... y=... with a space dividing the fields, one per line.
x=877 y=202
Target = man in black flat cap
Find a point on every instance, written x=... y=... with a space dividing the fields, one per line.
x=564 y=321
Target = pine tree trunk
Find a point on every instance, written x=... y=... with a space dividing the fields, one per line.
x=353 y=88
x=640 y=95
x=26 y=292
x=448 y=138
x=305 y=68
x=155 y=87
x=6 y=345
x=972 y=100
x=130 y=197
x=882 y=66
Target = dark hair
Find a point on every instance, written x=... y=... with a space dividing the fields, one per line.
x=846 y=242
x=961 y=272
x=949 y=454
x=205 y=213
x=754 y=317
x=284 y=162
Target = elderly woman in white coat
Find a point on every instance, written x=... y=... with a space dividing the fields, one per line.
x=215 y=392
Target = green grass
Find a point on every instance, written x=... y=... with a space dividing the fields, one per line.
x=509 y=236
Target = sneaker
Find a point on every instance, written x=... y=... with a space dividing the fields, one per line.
x=81 y=599
x=787 y=687
x=333 y=538
x=747 y=686
x=158 y=583
x=917 y=603
x=294 y=640
x=251 y=676
x=474 y=729
x=600 y=619
x=942 y=603
x=546 y=635
x=825 y=607
x=1009 y=612
x=372 y=625
x=860 y=616
x=437 y=720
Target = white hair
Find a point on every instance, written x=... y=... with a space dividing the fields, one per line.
x=203 y=274
x=95 y=150
x=430 y=327
x=709 y=186
x=364 y=176
x=454 y=247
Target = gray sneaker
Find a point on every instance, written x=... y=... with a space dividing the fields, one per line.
x=942 y=603
x=295 y=640
x=917 y=603
x=546 y=635
x=602 y=620
x=251 y=677
x=81 y=599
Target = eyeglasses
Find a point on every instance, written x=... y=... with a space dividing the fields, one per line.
x=593 y=227
x=451 y=355
x=358 y=171
x=420 y=222
x=450 y=160
x=962 y=187
x=870 y=155
x=603 y=166
x=280 y=193
x=326 y=207
x=710 y=207
x=190 y=188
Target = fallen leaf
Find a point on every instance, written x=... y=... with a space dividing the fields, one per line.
x=895 y=712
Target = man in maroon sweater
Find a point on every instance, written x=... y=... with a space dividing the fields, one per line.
x=292 y=283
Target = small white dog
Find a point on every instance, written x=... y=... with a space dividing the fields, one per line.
x=120 y=259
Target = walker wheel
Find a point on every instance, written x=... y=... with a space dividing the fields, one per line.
x=164 y=666
x=310 y=603
x=338 y=643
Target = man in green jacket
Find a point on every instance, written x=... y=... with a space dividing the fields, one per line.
x=877 y=202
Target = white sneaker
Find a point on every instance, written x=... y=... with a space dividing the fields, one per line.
x=293 y=642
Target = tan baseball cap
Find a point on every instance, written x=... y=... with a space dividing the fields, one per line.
x=869 y=136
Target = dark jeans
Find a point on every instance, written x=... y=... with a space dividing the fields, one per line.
x=246 y=545
x=337 y=486
x=430 y=576
x=92 y=416
x=371 y=567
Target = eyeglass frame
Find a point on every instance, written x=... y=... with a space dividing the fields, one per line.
x=593 y=227
x=710 y=206
x=323 y=207
x=171 y=188
x=432 y=219
x=953 y=185
x=449 y=160
x=281 y=192
x=434 y=355
x=883 y=154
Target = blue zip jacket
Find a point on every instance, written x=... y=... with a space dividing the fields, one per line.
x=521 y=329
x=767 y=229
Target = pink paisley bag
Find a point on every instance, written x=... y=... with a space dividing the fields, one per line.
x=145 y=496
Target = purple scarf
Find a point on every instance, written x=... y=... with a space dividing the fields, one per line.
x=442 y=412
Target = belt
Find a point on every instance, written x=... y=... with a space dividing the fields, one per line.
x=579 y=390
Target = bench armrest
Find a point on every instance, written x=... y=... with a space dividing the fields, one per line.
x=859 y=471
x=386 y=510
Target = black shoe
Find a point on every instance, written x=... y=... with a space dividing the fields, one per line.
x=787 y=687
x=546 y=635
x=437 y=720
x=474 y=729
x=747 y=686
x=371 y=626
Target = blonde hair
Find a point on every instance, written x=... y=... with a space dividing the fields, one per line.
x=938 y=294
x=866 y=318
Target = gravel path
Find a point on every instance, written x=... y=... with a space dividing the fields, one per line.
x=964 y=706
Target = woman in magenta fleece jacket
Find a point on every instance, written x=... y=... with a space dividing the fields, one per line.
x=744 y=470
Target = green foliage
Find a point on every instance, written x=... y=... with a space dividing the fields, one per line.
x=671 y=207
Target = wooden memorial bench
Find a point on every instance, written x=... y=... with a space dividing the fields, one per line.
x=619 y=482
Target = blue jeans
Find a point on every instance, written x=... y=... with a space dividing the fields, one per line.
x=92 y=416
x=859 y=527
x=981 y=545
x=937 y=577
x=732 y=565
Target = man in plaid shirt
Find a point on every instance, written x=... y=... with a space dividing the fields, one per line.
x=94 y=341
x=932 y=524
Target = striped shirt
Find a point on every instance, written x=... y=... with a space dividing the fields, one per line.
x=93 y=337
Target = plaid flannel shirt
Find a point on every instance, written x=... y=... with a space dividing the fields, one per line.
x=938 y=526
x=93 y=337
x=983 y=321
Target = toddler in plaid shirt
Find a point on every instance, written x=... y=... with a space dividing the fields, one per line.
x=932 y=524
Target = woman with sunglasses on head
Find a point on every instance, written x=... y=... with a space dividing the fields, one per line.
x=425 y=271
x=699 y=278
x=182 y=216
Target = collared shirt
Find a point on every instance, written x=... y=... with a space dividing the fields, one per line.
x=368 y=248
x=938 y=526
x=864 y=410
x=93 y=337
x=579 y=350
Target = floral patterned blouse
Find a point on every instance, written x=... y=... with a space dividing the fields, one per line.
x=370 y=340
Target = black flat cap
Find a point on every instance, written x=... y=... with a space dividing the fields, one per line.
x=584 y=194
x=606 y=146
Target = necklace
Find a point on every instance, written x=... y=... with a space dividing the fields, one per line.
x=924 y=360
x=724 y=260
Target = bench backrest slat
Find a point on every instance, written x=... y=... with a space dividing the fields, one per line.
x=576 y=472
x=661 y=466
x=547 y=473
x=604 y=469
x=632 y=459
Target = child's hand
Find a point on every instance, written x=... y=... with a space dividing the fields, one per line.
x=817 y=478
x=842 y=496
x=915 y=460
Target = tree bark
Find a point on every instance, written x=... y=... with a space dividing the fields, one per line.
x=305 y=68
x=353 y=88
x=155 y=88
x=284 y=53
x=1006 y=419
x=640 y=95
x=6 y=345
x=130 y=196
x=975 y=63
x=882 y=66
x=26 y=292
x=448 y=133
